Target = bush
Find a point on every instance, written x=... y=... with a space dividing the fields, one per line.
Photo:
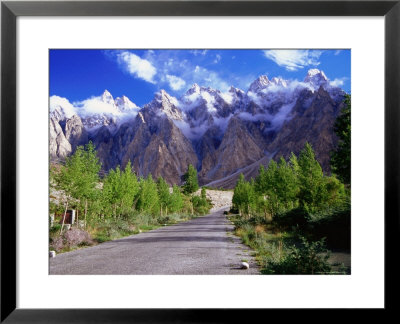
x=308 y=258
x=334 y=224
x=201 y=205
x=297 y=217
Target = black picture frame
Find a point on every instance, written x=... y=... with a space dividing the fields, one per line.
x=10 y=10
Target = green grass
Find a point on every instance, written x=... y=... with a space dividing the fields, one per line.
x=277 y=251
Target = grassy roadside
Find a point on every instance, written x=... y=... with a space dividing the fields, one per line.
x=107 y=230
x=287 y=250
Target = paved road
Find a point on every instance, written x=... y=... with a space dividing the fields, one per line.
x=205 y=245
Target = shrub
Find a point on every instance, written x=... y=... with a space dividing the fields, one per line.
x=295 y=217
x=308 y=258
x=334 y=224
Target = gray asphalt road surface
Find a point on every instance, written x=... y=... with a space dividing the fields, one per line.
x=205 y=245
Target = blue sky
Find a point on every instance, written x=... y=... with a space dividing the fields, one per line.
x=138 y=74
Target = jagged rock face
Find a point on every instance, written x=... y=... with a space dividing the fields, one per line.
x=151 y=142
x=207 y=151
x=59 y=146
x=222 y=134
x=161 y=149
x=65 y=135
x=313 y=124
x=74 y=132
x=237 y=150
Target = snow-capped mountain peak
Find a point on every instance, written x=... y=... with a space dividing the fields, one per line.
x=260 y=83
x=166 y=104
x=316 y=78
x=107 y=97
x=279 y=82
x=125 y=105
x=195 y=88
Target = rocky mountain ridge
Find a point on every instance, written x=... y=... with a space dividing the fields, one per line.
x=218 y=132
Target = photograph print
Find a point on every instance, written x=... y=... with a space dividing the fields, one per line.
x=199 y=161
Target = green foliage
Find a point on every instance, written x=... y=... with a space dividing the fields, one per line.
x=288 y=200
x=203 y=193
x=307 y=258
x=79 y=177
x=163 y=194
x=119 y=204
x=191 y=183
x=244 y=197
x=311 y=179
x=200 y=203
x=148 y=201
x=120 y=189
x=176 y=201
x=288 y=191
x=341 y=158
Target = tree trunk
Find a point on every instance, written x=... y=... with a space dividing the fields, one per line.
x=65 y=213
x=77 y=217
x=85 y=211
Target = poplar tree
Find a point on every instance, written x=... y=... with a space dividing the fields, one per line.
x=286 y=184
x=311 y=179
x=112 y=191
x=79 y=177
x=148 y=196
x=244 y=197
x=163 y=194
x=129 y=187
x=175 y=203
x=191 y=183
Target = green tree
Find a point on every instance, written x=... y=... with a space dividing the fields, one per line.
x=148 y=200
x=286 y=184
x=311 y=179
x=129 y=188
x=244 y=197
x=163 y=194
x=112 y=191
x=175 y=203
x=191 y=183
x=270 y=190
x=79 y=177
x=203 y=193
x=341 y=157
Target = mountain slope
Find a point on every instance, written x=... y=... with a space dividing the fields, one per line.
x=219 y=133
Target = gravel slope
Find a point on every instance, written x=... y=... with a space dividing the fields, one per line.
x=205 y=245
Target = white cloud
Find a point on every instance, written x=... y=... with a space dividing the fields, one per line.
x=294 y=60
x=176 y=83
x=199 y=52
x=170 y=69
x=256 y=117
x=95 y=105
x=337 y=82
x=58 y=102
x=217 y=58
x=191 y=132
x=137 y=66
x=208 y=78
x=210 y=102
